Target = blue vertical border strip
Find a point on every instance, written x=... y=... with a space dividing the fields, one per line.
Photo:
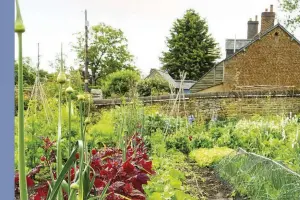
x=7 y=98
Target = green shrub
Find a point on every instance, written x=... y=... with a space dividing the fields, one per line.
x=153 y=86
x=167 y=125
x=202 y=141
x=178 y=141
x=102 y=133
x=121 y=83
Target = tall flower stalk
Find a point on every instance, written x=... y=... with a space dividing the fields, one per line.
x=19 y=29
x=81 y=99
x=69 y=91
x=61 y=79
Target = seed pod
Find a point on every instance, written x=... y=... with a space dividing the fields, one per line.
x=69 y=90
x=61 y=78
x=81 y=97
x=19 y=26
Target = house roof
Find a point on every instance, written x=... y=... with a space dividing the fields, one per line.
x=166 y=76
x=187 y=84
x=239 y=43
x=260 y=35
x=256 y=38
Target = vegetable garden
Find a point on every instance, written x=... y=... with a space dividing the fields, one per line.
x=136 y=152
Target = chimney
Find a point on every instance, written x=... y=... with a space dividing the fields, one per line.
x=267 y=19
x=252 y=28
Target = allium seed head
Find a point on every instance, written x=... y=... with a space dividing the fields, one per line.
x=19 y=26
x=61 y=78
x=81 y=97
x=69 y=90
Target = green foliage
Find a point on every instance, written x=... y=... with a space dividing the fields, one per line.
x=51 y=88
x=274 y=137
x=158 y=145
x=191 y=48
x=121 y=83
x=108 y=51
x=167 y=125
x=292 y=11
x=261 y=179
x=202 y=141
x=102 y=133
x=76 y=79
x=168 y=183
x=128 y=119
x=208 y=157
x=178 y=141
x=37 y=127
x=43 y=175
x=29 y=73
x=153 y=86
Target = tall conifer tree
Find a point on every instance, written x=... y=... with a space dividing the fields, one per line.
x=190 y=48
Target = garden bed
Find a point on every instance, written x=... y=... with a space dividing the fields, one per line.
x=208 y=184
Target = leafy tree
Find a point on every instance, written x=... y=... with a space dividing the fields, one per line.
x=107 y=52
x=43 y=74
x=292 y=9
x=191 y=48
x=76 y=79
x=150 y=86
x=29 y=73
x=121 y=83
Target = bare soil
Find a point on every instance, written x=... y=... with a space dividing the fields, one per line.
x=207 y=185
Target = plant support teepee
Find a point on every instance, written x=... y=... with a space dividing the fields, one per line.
x=38 y=94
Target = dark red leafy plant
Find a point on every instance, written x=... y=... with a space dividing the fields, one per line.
x=126 y=178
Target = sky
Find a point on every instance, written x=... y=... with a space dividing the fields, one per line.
x=145 y=24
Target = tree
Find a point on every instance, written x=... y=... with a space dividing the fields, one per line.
x=153 y=86
x=29 y=73
x=191 y=48
x=107 y=52
x=292 y=9
x=121 y=83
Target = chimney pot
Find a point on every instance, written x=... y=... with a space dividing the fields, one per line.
x=256 y=18
x=266 y=10
x=267 y=19
x=252 y=29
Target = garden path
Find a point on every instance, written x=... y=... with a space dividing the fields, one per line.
x=209 y=186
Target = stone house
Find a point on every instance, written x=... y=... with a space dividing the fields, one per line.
x=187 y=84
x=266 y=60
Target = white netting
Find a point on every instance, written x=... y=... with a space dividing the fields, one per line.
x=260 y=178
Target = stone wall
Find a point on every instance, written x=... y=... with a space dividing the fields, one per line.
x=243 y=107
x=224 y=104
